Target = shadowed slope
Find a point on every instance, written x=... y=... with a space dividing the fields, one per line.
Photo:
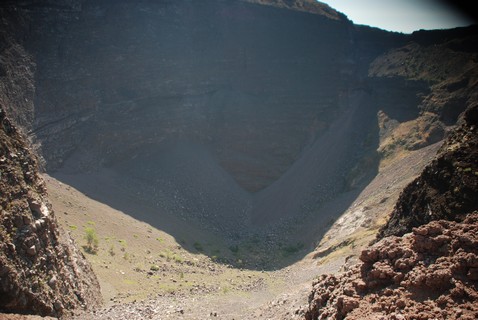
x=320 y=173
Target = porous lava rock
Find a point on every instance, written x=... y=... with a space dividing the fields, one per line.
x=430 y=273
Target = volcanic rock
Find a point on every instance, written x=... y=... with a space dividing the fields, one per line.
x=41 y=270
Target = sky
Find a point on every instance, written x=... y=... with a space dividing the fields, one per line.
x=402 y=15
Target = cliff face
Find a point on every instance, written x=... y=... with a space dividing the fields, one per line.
x=17 y=69
x=255 y=86
x=425 y=262
x=447 y=188
x=261 y=87
x=41 y=270
x=118 y=78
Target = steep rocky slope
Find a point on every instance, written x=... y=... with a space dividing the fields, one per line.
x=17 y=68
x=309 y=6
x=231 y=75
x=443 y=61
x=410 y=131
x=116 y=82
x=447 y=188
x=41 y=270
x=430 y=272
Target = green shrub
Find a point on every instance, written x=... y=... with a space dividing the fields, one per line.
x=92 y=241
x=123 y=245
x=154 y=267
x=178 y=259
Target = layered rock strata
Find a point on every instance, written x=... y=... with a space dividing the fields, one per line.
x=41 y=270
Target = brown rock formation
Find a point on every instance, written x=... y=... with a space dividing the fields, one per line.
x=41 y=270
x=430 y=273
x=309 y=6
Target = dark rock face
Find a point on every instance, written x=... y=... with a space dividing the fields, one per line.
x=17 y=69
x=41 y=270
x=443 y=60
x=281 y=95
x=256 y=86
x=447 y=188
x=246 y=80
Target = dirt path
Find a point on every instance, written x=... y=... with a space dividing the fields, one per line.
x=283 y=298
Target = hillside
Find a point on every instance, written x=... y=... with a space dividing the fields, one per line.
x=221 y=154
x=447 y=188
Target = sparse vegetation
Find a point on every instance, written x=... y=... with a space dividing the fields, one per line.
x=92 y=241
x=126 y=256
x=178 y=259
x=154 y=267
x=123 y=245
x=171 y=256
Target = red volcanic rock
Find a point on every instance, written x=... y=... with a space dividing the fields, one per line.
x=430 y=273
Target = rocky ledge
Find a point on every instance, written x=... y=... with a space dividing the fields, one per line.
x=425 y=265
x=431 y=273
x=41 y=270
x=447 y=188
